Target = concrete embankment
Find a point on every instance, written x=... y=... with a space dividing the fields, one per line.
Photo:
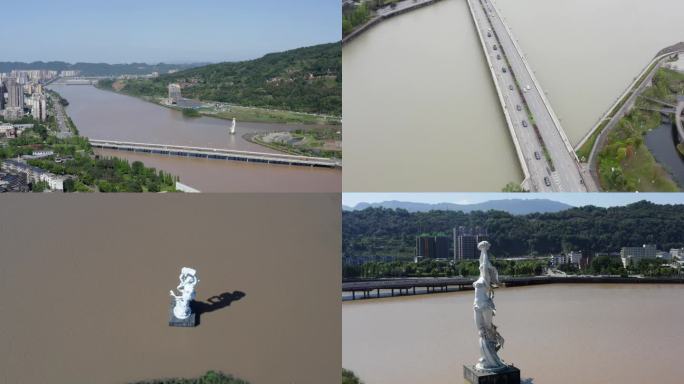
x=387 y=13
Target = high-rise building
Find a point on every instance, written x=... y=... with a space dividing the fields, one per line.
x=632 y=255
x=425 y=246
x=15 y=94
x=38 y=104
x=2 y=95
x=433 y=247
x=465 y=242
x=174 y=93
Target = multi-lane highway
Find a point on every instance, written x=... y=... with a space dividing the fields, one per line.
x=546 y=155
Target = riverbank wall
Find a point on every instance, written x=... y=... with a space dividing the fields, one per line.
x=380 y=18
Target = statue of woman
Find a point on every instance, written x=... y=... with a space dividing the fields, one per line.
x=188 y=281
x=490 y=339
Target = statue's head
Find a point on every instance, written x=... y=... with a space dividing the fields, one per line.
x=483 y=246
x=188 y=275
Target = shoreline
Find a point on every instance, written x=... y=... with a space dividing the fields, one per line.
x=377 y=19
x=151 y=100
x=597 y=137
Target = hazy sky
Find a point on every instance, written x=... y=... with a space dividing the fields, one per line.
x=574 y=199
x=121 y=31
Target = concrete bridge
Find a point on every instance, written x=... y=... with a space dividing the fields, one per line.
x=547 y=157
x=217 y=154
x=366 y=289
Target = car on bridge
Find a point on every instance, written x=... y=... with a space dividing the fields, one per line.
x=504 y=69
x=489 y=34
x=524 y=123
x=510 y=87
x=547 y=181
x=498 y=57
x=537 y=155
x=518 y=107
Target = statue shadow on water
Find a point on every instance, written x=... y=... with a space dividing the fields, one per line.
x=215 y=303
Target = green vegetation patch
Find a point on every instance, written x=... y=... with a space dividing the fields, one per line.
x=305 y=80
x=190 y=112
x=74 y=157
x=210 y=377
x=392 y=232
x=317 y=142
x=625 y=163
x=349 y=377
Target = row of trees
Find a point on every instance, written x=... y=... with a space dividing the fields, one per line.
x=601 y=265
x=380 y=231
x=110 y=174
x=439 y=268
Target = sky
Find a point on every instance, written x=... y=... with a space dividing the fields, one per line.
x=603 y=199
x=171 y=31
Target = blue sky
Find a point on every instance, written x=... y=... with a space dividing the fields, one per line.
x=122 y=31
x=574 y=199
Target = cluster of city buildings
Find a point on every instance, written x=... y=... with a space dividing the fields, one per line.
x=461 y=246
x=12 y=131
x=22 y=93
x=18 y=174
x=633 y=255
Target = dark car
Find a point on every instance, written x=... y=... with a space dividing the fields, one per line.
x=498 y=57
x=524 y=123
x=537 y=156
x=495 y=47
x=504 y=70
x=547 y=181
x=510 y=87
x=518 y=107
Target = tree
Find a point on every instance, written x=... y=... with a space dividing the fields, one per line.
x=69 y=185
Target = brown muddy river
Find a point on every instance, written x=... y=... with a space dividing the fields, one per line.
x=591 y=334
x=86 y=279
x=109 y=116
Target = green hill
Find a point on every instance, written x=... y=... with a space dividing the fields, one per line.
x=304 y=80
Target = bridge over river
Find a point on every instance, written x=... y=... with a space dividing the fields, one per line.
x=547 y=157
x=217 y=154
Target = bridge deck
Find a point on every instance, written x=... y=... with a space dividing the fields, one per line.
x=216 y=153
x=543 y=130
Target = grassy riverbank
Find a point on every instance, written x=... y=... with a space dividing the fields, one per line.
x=316 y=142
x=227 y=112
x=585 y=150
x=625 y=163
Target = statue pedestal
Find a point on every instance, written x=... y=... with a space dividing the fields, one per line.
x=508 y=375
x=191 y=321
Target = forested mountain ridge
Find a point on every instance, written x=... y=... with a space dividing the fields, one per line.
x=387 y=232
x=513 y=206
x=305 y=79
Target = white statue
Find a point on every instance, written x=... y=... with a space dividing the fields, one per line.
x=188 y=281
x=232 y=127
x=490 y=339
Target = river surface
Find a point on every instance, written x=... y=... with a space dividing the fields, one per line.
x=106 y=115
x=86 y=287
x=661 y=142
x=592 y=334
x=419 y=105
